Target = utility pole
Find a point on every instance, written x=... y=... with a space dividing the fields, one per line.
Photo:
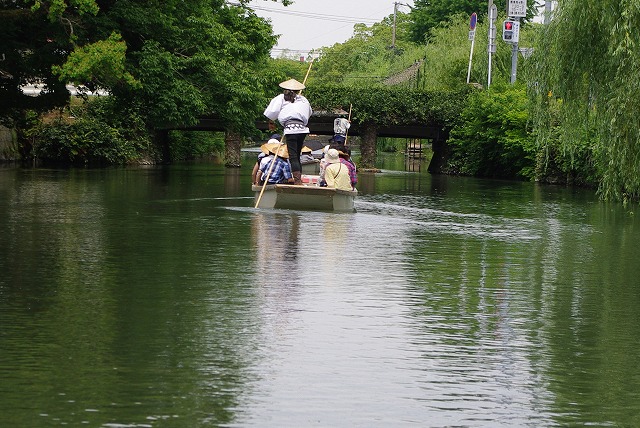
x=393 y=37
x=516 y=9
x=514 y=58
x=493 y=14
x=547 y=12
x=395 y=12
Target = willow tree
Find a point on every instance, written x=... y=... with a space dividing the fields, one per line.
x=588 y=90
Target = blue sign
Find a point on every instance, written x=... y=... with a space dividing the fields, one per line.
x=474 y=21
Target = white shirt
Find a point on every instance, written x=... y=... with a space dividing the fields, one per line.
x=340 y=126
x=298 y=111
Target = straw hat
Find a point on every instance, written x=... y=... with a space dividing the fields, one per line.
x=332 y=156
x=292 y=85
x=274 y=146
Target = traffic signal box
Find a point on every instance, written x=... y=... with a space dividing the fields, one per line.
x=510 y=31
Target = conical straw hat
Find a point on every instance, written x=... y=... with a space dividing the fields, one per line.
x=274 y=146
x=292 y=84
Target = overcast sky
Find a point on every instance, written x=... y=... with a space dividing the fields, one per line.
x=309 y=24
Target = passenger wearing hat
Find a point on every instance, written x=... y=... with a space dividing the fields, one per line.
x=306 y=156
x=280 y=173
x=293 y=111
x=336 y=174
x=262 y=157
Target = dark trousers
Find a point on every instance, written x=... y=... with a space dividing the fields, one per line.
x=294 y=147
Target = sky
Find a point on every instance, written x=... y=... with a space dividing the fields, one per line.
x=309 y=24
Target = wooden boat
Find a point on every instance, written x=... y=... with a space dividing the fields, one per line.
x=312 y=168
x=309 y=196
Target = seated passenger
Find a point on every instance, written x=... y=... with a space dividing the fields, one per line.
x=336 y=174
x=306 y=157
x=264 y=152
x=280 y=172
x=345 y=158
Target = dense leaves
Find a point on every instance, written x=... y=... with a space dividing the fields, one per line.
x=587 y=72
x=492 y=138
x=101 y=135
x=174 y=60
x=389 y=105
x=426 y=15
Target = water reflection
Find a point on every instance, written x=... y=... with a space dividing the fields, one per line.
x=163 y=298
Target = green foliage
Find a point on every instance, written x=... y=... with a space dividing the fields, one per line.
x=426 y=15
x=56 y=8
x=592 y=65
x=31 y=43
x=492 y=138
x=447 y=55
x=98 y=134
x=102 y=63
x=367 y=58
x=389 y=105
x=187 y=145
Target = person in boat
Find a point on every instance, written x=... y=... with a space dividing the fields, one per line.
x=340 y=128
x=264 y=152
x=345 y=158
x=323 y=166
x=293 y=111
x=280 y=172
x=336 y=174
x=306 y=156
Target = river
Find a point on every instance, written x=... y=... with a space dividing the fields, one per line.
x=159 y=297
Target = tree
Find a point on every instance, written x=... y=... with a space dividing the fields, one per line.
x=587 y=71
x=32 y=42
x=182 y=59
x=428 y=14
x=175 y=60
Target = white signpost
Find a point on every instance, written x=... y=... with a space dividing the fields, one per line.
x=493 y=13
x=517 y=8
x=472 y=33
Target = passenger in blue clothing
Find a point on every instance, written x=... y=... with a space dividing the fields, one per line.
x=264 y=152
x=280 y=172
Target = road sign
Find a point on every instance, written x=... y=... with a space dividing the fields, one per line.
x=517 y=8
x=473 y=21
x=493 y=12
x=472 y=34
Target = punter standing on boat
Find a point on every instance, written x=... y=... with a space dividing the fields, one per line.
x=293 y=111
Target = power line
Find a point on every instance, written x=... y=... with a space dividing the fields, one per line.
x=320 y=16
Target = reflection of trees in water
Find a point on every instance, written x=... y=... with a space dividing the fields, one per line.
x=232 y=182
x=275 y=237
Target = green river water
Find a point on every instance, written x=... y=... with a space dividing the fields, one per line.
x=159 y=297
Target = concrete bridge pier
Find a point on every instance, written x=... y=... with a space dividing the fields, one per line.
x=232 y=146
x=368 y=142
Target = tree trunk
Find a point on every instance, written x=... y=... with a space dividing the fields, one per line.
x=368 y=146
x=232 y=145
